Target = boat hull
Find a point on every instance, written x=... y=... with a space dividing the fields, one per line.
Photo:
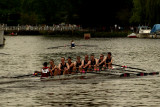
x=116 y=72
x=132 y=36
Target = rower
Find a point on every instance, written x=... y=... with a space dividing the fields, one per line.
x=45 y=70
x=93 y=63
x=72 y=44
x=108 y=61
x=101 y=62
x=63 y=67
x=85 y=64
x=78 y=64
x=71 y=65
x=53 y=68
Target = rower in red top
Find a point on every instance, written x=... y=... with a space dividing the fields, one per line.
x=108 y=61
x=45 y=70
x=85 y=64
x=63 y=67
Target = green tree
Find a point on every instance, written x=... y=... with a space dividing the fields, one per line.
x=10 y=11
x=146 y=12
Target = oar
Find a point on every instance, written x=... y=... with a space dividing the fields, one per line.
x=88 y=45
x=56 y=47
x=138 y=73
x=36 y=73
x=70 y=45
x=130 y=67
x=21 y=76
x=126 y=74
x=99 y=71
x=142 y=73
x=4 y=54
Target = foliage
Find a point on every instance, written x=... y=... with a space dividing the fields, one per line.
x=146 y=12
x=93 y=14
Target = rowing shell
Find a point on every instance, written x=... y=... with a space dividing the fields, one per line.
x=116 y=72
x=84 y=75
x=69 y=76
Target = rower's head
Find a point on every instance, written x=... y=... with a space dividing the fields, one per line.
x=51 y=62
x=101 y=56
x=109 y=54
x=62 y=59
x=92 y=57
x=45 y=64
x=69 y=59
x=86 y=57
x=78 y=58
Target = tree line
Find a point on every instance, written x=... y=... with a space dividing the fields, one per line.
x=88 y=13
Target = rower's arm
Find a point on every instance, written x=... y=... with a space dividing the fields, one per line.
x=59 y=66
x=55 y=67
x=75 y=63
x=111 y=60
x=97 y=61
x=72 y=65
x=89 y=62
x=101 y=62
x=67 y=65
x=105 y=60
x=82 y=64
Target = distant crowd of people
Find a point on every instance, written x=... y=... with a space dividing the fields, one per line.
x=54 y=27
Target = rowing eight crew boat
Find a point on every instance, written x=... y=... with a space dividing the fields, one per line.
x=117 y=72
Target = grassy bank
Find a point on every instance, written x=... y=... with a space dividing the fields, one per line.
x=94 y=34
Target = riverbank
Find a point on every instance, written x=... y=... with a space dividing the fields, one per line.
x=74 y=33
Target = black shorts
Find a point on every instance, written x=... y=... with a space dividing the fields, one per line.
x=85 y=69
x=100 y=67
x=92 y=66
x=70 y=71
x=62 y=72
x=107 y=65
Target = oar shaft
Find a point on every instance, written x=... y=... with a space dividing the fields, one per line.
x=129 y=67
x=20 y=76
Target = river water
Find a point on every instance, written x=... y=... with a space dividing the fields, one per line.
x=24 y=54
